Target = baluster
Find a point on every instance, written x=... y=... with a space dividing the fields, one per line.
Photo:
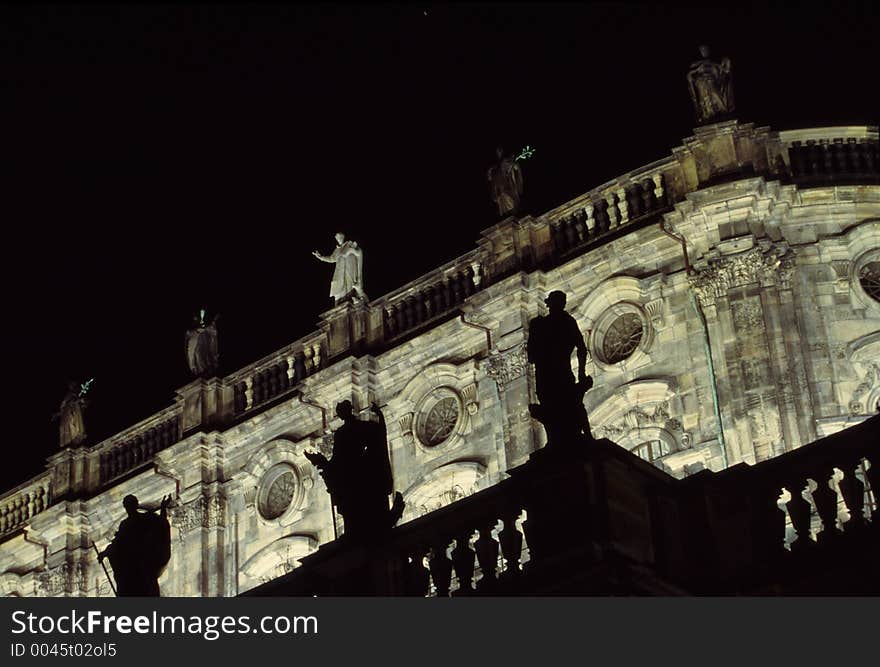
x=622 y=208
x=853 y=491
x=487 y=556
x=634 y=200
x=439 y=305
x=447 y=295
x=589 y=220
x=799 y=511
x=299 y=366
x=826 y=503
x=463 y=559
x=827 y=163
x=874 y=484
x=854 y=164
x=248 y=393
x=316 y=352
x=468 y=278
x=400 y=318
x=418 y=577
x=611 y=211
x=869 y=155
x=659 y=193
x=814 y=157
x=511 y=545
x=456 y=290
x=570 y=234
x=409 y=312
x=429 y=302
x=839 y=154
x=441 y=570
x=797 y=158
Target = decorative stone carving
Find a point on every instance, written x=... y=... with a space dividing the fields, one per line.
x=640 y=418
x=200 y=513
x=856 y=404
x=772 y=264
x=67 y=578
x=655 y=311
x=748 y=315
x=469 y=398
x=507 y=366
x=438 y=417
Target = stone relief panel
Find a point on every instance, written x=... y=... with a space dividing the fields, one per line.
x=199 y=513
x=504 y=367
x=65 y=579
x=443 y=486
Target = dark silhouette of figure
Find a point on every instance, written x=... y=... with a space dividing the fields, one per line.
x=552 y=338
x=140 y=550
x=358 y=476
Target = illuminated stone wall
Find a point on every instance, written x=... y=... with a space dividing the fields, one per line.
x=766 y=338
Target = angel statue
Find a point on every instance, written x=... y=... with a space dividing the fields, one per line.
x=711 y=87
x=72 y=429
x=202 y=354
x=348 y=276
x=505 y=183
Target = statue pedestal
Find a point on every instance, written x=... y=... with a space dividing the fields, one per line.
x=203 y=404
x=346 y=327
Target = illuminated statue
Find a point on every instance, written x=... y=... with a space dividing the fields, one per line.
x=506 y=183
x=140 y=550
x=72 y=429
x=711 y=87
x=358 y=476
x=552 y=339
x=348 y=276
x=202 y=353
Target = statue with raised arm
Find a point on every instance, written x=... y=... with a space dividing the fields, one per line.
x=140 y=550
x=711 y=87
x=358 y=475
x=506 y=183
x=349 y=271
x=72 y=428
x=202 y=351
x=552 y=339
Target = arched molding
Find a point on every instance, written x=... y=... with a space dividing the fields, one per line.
x=636 y=409
x=12 y=585
x=442 y=486
x=277 y=558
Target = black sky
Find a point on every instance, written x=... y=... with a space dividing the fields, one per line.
x=155 y=159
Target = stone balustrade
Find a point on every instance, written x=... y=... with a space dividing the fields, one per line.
x=277 y=374
x=441 y=293
x=18 y=506
x=138 y=445
x=833 y=155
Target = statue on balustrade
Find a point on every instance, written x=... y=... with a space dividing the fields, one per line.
x=506 y=183
x=72 y=428
x=560 y=408
x=358 y=475
x=202 y=353
x=711 y=88
x=140 y=550
x=348 y=274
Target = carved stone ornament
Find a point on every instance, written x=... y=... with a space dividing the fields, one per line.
x=200 y=513
x=66 y=578
x=507 y=366
x=640 y=418
x=856 y=404
x=769 y=264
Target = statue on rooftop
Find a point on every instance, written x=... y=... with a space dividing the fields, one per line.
x=348 y=275
x=552 y=339
x=358 y=475
x=202 y=353
x=140 y=550
x=506 y=183
x=72 y=429
x=711 y=87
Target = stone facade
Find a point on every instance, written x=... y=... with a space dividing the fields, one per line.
x=728 y=298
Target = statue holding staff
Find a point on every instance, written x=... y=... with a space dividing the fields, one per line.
x=349 y=271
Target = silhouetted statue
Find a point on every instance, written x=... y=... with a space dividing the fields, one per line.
x=711 y=87
x=552 y=338
x=348 y=274
x=140 y=550
x=358 y=476
x=202 y=351
x=506 y=183
x=71 y=423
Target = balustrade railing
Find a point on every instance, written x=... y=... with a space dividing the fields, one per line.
x=20 y=505
x=138 y=445
x=833 y=154
x=277 y=374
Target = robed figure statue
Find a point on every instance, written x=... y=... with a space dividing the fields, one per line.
x=711 y=87
x=358 y=475
x=505 y=183
x=349 y=271
x=552 y=339
x=202 y=350
x=140 y=550
x=71 y=424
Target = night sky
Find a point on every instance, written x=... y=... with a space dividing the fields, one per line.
x=155 y=160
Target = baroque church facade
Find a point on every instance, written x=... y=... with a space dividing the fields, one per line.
x=729 y=296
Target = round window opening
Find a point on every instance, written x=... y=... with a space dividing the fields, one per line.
x=438 y=417
x=622 y=337
x=869 y=277
x=277 y=490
